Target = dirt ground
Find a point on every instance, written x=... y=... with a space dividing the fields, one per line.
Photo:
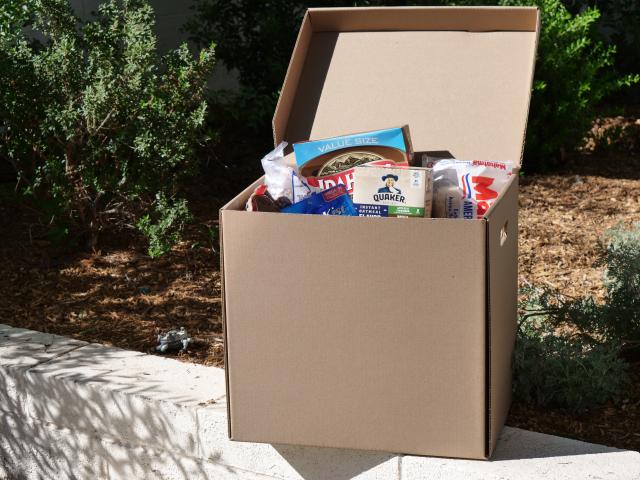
x=563 y=219
x=119 y=296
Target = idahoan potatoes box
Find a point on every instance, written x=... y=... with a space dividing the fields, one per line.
x=384 y=333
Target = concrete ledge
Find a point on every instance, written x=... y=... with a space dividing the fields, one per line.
x=69 y=409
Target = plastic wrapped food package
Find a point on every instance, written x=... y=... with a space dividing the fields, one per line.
x=333 y=201
x=281 y=179
x=467 y=188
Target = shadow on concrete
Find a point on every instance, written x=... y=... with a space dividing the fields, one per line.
x=52 y=425
x=69 y=409
x=518 y=444
x=314 y=463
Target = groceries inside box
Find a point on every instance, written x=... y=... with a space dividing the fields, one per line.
x=376 y=174
x=383 y=334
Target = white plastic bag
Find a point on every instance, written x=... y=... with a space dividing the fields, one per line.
x=467 y=188
x=282 y=180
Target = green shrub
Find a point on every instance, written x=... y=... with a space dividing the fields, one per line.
x=573 y=73
x=619 y=25
x=621 y=310
x=565 y=370
x=567 y=351
x=255 y=38
x=164 y=226
x=95 y=123
x=615 y=320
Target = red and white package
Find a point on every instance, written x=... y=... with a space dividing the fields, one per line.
x=467 y=188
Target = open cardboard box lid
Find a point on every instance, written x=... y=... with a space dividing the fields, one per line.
x=460 y=77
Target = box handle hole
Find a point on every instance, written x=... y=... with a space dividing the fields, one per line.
x=503 y=233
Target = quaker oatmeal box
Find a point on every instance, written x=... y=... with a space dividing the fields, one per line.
x=392 y=191
x=331 y=161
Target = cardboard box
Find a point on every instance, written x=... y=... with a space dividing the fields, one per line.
x=378 y=333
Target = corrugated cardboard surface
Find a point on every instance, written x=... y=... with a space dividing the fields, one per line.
x=462 y=91
x=377 y=333
x=502 y=241
x=358 y=333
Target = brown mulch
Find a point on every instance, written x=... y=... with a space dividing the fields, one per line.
x=118 y=296
x=121 y=297
x=563 y=219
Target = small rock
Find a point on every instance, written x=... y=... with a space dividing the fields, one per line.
x=174 y=340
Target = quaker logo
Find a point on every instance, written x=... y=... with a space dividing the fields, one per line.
x=389 y=192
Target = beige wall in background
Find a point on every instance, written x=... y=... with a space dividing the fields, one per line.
x=171 y=15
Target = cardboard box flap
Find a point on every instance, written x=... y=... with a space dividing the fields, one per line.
x=460 y=77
